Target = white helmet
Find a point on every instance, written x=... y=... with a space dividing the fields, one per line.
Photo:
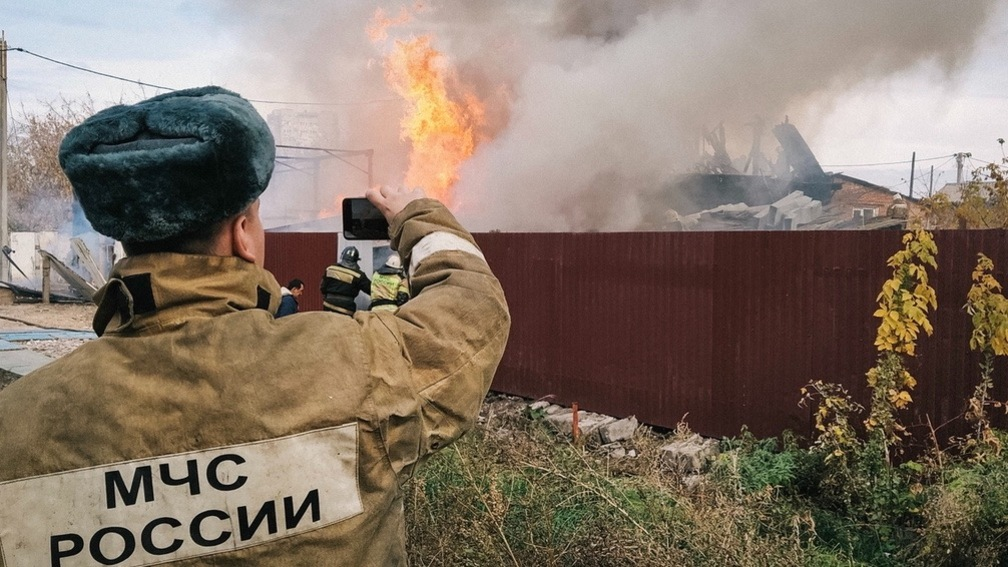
x=394 y=262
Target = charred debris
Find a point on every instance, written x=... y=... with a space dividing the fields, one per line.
x=39 y=285
x=756 y=193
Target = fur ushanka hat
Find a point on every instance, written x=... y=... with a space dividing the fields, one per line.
x=168 y=165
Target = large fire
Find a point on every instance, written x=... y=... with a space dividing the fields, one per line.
x=441 y=119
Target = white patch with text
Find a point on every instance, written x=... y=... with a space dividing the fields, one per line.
x=151 y=511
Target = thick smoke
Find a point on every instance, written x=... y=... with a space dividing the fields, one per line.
x=594 y=105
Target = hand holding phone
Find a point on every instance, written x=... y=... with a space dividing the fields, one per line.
x=363 y=221
x=392 y=200
x=368 y=218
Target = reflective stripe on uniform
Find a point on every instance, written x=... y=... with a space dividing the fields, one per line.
x=439 y=242
x=341 y=273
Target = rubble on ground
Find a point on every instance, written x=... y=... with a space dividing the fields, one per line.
x=690 y=456
x=614 y=437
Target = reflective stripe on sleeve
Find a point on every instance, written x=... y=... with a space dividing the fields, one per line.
x=439 y=242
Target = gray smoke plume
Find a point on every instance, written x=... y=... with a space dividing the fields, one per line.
x=594 y=105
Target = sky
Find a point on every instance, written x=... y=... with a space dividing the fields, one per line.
x=590 y=105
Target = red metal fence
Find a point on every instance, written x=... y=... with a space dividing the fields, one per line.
x=720 y=328
x=302 y=255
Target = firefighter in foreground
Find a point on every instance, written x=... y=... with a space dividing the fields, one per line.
x=343 y=282
x=191 y=432
x=389 y=287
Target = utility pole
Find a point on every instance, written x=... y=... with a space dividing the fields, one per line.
x=5 y=273
x=913 y=163
x=959 y=165
x=931 y=185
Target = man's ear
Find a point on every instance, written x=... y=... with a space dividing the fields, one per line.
x=242 y=241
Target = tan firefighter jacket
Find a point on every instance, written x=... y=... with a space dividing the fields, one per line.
x=199 y=430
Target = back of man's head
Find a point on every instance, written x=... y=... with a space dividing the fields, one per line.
x=165 y=173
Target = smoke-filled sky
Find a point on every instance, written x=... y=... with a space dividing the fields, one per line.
x=590 y=105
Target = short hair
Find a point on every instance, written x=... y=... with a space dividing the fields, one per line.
x=295 y=283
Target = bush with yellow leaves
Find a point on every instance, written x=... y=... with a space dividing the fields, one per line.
x=904 y=303
x=988 y=308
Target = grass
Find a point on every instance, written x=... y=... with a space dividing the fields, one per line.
x=512 y=492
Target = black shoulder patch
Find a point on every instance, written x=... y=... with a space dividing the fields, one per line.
x=263 y=299
x=139 y=286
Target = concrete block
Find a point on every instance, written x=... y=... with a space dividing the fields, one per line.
x=563 y=421
x=592 y=423
x=554 y=409
x=619 y=430
x=690 y=455
x=589 y=423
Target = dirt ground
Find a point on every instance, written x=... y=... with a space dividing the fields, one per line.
x=27 y=316
x=53 y=316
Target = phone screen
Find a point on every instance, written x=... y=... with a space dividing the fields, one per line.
x=362 y=221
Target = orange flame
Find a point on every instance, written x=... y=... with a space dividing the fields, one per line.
x=440 y=120
x=380 y=23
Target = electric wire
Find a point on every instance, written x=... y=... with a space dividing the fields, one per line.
x=164 y=88
x=92 y=71
x=888 y=162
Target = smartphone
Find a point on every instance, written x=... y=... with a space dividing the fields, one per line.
x=363 y=221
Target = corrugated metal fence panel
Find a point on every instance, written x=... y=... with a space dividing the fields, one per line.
x=721 y=327
x=303 y=255
x=725 y=327
x=951 y=368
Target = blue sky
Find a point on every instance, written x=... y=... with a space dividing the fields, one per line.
x=168 y=42
x=281 y=51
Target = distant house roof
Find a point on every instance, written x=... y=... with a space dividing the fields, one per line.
x=842 y=177
x=954 y=190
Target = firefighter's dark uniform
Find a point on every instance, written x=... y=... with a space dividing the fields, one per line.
x=200 y=430
x=340 y=287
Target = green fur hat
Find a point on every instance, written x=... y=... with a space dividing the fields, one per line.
x=169 y=165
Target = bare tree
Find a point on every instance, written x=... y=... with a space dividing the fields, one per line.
x=40 y=195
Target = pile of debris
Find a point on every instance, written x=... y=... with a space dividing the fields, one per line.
x=790 y=212
x=39 y=253
x=687 y=454
x=753 y=193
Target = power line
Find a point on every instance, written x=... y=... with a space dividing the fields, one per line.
x=888 y=162
x=164 y=88
x=345 y=103
x=333 y=153
x=92 y=71
x=330 y=150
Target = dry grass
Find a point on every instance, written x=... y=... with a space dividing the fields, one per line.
x=514 y=493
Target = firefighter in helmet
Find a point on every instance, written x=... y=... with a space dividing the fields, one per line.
x=389 y=288
x=342 y=283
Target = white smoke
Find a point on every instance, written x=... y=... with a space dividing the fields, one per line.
x=593 y=105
